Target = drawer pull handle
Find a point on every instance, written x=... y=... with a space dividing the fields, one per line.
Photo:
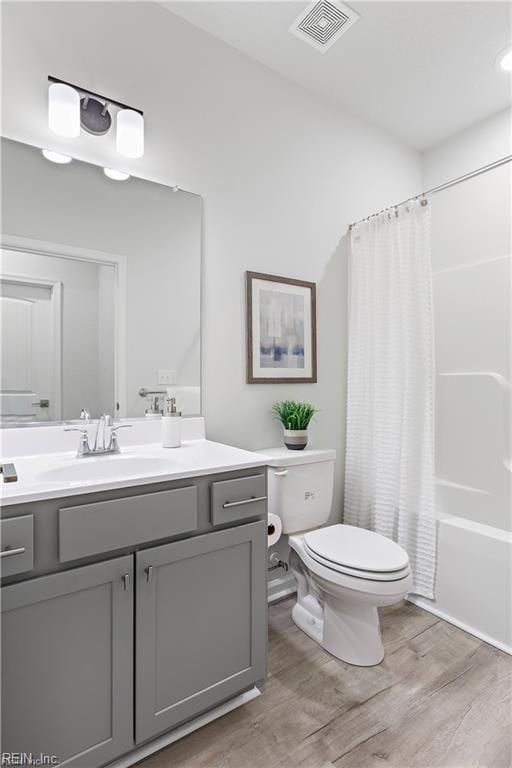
x=252 y=500
x=14 y=551
x=149 y=574
x=126 y=582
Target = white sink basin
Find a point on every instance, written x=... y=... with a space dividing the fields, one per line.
x=92 y=469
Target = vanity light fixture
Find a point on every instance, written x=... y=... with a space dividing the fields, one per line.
x=130 y=133
x=116 y=175
x=505 y=59
x=56 y=157
x=71 y=107
x=63 y=110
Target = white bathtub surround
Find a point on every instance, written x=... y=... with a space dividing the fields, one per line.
x=472 y=269
x=389 y=476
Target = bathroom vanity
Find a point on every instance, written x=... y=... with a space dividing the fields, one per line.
x=133 y=585
x=130 y=605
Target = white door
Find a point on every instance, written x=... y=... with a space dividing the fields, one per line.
x=28 y=380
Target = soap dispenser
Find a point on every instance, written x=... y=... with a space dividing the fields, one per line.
x=171 y=424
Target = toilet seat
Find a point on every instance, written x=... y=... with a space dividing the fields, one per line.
x=357 y=552
x=362 y=584
x=358 y=573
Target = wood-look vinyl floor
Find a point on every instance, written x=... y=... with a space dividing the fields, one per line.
x=440 y=699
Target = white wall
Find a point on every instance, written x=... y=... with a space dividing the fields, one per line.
x=480 y=145
x=282 y=175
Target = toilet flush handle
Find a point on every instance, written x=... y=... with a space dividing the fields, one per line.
x=281 y=472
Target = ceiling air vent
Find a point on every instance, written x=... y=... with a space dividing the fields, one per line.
x=322 y=23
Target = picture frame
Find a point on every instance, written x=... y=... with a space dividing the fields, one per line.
x=281 y=340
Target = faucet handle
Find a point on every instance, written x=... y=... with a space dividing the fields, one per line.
x=83 y=447
x=85 y=415
x=114 y=445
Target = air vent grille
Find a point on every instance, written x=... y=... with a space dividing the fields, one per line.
x=322 y=23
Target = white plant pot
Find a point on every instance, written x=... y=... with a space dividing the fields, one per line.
x=296 y=439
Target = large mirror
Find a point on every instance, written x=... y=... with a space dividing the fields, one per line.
x=99 y=290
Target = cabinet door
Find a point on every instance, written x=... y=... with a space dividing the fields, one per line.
x=200 y=624
x=67 y=657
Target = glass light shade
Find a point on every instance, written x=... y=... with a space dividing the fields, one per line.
x=63 y=110
x=130 y=133
x=116 y=175
x=56 y=157
x=506 y=60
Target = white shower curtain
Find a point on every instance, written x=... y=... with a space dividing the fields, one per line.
x=389 y=477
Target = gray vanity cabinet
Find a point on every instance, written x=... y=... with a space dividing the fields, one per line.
x=200 y=624
x=67 y=660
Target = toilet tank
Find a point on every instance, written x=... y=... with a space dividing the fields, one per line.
x=300 y=486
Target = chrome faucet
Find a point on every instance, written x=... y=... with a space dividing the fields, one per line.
x=100 y=447
x=104 y=421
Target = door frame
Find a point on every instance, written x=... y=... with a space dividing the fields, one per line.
x=118 y=262
x=55 y=287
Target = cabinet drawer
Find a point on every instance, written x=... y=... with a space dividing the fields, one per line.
x=16 y=545
x=238 y=499
x=109 y=525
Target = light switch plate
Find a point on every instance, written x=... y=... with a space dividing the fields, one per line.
x=166 y=378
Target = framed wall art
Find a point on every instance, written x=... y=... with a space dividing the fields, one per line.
x=281 y=330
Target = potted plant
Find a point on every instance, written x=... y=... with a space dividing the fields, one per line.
x=295 y=418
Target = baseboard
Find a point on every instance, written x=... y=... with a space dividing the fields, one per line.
x=163 y=741
x=422 y=602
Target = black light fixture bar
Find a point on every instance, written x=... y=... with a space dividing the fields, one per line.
x=94 y=95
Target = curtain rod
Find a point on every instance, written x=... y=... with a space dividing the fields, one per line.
x=446 y=185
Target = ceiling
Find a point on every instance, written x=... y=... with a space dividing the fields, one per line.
x=422 y=70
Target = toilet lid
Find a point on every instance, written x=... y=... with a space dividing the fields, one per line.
x=357 y=548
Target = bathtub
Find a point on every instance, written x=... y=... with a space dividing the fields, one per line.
x=473 y=580
x=473 y=497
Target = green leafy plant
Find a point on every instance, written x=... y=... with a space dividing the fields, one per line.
x=294 y=415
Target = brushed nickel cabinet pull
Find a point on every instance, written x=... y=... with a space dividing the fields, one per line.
x=126 y=582
x=253 y=500
x=149 y=574
x=14 y=551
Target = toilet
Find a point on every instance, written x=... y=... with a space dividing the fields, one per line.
x=343 y=573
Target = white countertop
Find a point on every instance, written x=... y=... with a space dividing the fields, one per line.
x=50 y=476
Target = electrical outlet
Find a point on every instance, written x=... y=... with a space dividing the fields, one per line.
x=166 y=378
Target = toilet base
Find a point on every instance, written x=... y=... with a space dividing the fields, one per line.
x=348 y=631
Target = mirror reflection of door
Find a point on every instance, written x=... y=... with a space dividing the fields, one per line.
x=30 y=369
